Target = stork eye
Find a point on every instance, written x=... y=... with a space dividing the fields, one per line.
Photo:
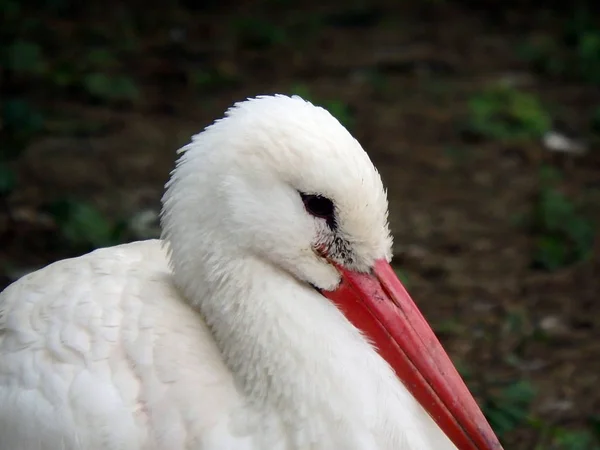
x=320 y=206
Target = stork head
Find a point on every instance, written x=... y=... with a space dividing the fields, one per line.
x=292 y=185
x=284 y=181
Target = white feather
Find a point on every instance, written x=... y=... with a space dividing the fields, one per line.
x=212 y=338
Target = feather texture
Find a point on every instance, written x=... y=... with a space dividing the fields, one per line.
x=214 y=339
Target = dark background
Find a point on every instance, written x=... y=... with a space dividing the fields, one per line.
x=455 y=102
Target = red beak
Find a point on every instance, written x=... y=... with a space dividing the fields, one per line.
x=381 y=308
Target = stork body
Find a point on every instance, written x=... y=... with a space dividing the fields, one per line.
x=120 y=360
x=222 y=335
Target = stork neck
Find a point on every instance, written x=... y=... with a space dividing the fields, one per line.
x=298 y=359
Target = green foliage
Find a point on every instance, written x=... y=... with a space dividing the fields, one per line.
x=462 y=368
x=9 y=8
x=543 y=55
x=212 y=78
x=588 y=53
x=595 y=425
x=20 y=122
x=24 y=57
x=573 y=53
x=573 y=440
x=97 y=74
x=450 y=327
x=30 y=68
x=100 y=59
x=258 y=33
x=93 y=69
x=563 y=235
x=509 y=409
x=18 y=116
x=403 y=277
x=338 y=109
x=505 y=113
x=341 y=112
x=303 y=91
x=378 y=82
x=112 y=88
x=83 y=227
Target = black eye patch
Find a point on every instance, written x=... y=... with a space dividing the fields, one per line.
x=321 y=207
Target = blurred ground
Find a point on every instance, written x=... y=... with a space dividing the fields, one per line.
x=494 y=233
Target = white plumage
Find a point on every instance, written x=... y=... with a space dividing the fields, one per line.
x=229 y=346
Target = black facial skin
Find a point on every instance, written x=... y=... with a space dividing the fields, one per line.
x=321 y=207
x=335 y=247
x=340 y=251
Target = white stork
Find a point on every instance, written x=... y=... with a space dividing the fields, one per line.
x=268 y=316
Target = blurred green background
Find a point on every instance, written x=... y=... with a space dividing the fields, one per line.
x=483 y=117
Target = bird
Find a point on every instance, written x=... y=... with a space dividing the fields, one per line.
x=267 y=315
